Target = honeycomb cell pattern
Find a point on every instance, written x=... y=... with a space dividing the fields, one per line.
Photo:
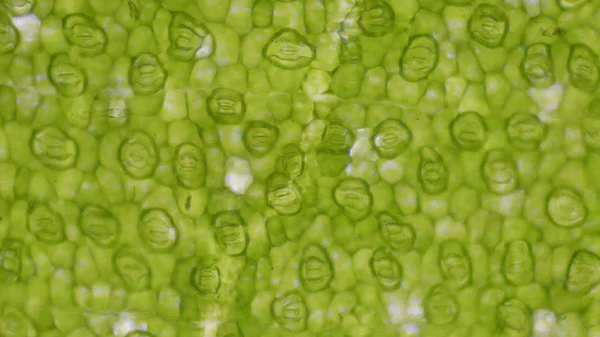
x=326 y=168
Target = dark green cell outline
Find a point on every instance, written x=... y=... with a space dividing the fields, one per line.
x=82 y=31
x=518 y=265
x=54 y=148
x=391 y=138
x=230 y=232
x=500 y=172
x=316 y=269
x=141 y=149
x=260 y=138
x=469 y=131
x=537 y=65
x=290 y=311
x=397 y=235
x=283 y=195
x=163 y=236
x=11 y=254
x=433 y=172
x=206 y=270
x=488 y=25
x=583 y=68
x=566 y=207
x=525 y=131
x=100 y=225
x=455 y=264
x=419 y=58
x=386 y=269
x=288 y=49
x=190 y=165
x=11 y=36
x=354 y=197
x=68 y=78
x=147 y=76
x=377 y=18
x=132 y=268
x=46 y=225
x=226 y=106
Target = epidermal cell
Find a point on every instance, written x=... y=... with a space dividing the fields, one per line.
x=46 y=225
x=354 y=197
x=226 y=106
x=157 y=230
x=391 y=138
x=583 y=71
x=67 y=77
x=455 y=263
x=500 y=172
x=9 y=35
x=583 y=272
x=229 y=329
x=230 y=232
x=289 y=50
x=290 y=312
x=190 y=39
x=525 y=131
x=488 y=25
x=468 y=130
x=399 y=236
x=316 y=268
x=133 y=268
x=54 y=148
x=377 y=18
x=206 y=277
x=283 y=195
x=440 y=306
x=260 y=137
x=433 y=173
x=566 y=207
x=147 y=76
x=386 y=269
x=518 y=263
x=420 y=58
x=81 y=31
x=537 y=66
x=138 y=155
x=190 y=165
x=100 y=225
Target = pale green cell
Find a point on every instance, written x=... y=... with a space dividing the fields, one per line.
x=227 y=44
x=141 y=40
x=262 y=13
x=202 y=74
x=491 y=60
x=8 y=101
x=468 y=65
x=374 y=83
x=427 y=22
x=456 y=18
x=240 y=16
x=474 y=99
x=315 y=16
x=497 y=90
x=214 y=10
x=347 y=80
x=455 y=87
x=447 y=65
x=327 y=49
x=257 y=81
x=433 y=101
x=400 y=90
